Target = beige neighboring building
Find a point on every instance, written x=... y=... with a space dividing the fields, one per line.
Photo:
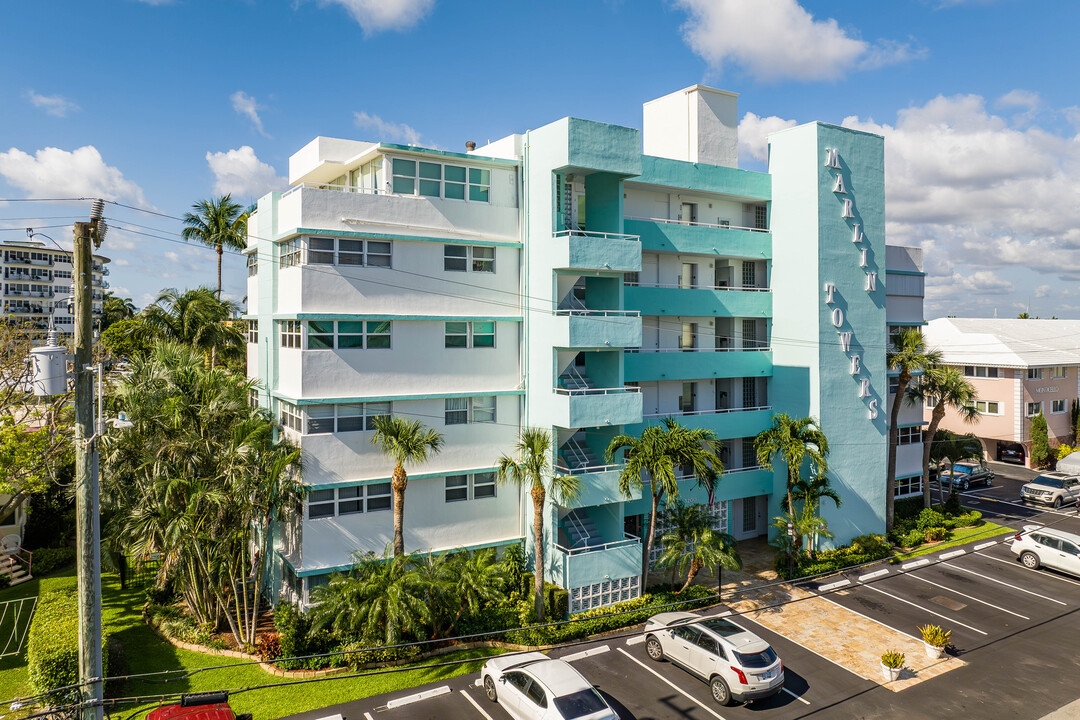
x=1019 y=368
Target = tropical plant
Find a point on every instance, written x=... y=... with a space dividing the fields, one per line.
x=115 y=308
x=906 y=354
x=660 y=451
x=935 y=635
x=406 y=442
x=693 y=544
x=793 y=530
x=892 y=659
x=196 y=318
x=125 y=339
x=474 y=579
x=219 y=223
x=949 y=447
x=531 y=467
x=945 y=387
x=1040 y=443
x=380 y=600
x=794 y=442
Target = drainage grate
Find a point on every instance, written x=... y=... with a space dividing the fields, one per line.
x=947 y=602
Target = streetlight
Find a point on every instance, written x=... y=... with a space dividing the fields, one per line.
x=791 y=550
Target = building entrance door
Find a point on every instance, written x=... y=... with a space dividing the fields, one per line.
x=748 y=517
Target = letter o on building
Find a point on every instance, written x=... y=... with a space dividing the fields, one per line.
x=837 y=317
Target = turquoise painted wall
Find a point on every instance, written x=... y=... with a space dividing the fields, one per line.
x=697 y=365
x=699 y=302
x=705 y=178
x=672 y=237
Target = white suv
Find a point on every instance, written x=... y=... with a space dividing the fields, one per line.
x=738 y=665
x=1037 y=545
x=1052 y=488
x=533 y=686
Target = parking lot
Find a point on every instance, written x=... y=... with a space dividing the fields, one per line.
x=1015 y=629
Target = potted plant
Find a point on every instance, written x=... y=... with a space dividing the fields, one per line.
x=892 y=663
x=935 y=640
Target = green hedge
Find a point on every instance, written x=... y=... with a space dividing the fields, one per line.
x=862 y=549
x=52 y=647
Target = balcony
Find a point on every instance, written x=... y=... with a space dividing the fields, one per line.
x=25 y=310
x=726 y=422
x=28 y=293
x=599 y=484
x=696 y=363
x=656 y=299
x=576 y=567
x=585 y=250
x=597 y=328
x=663 y=235
x=579 y=403
x=16 y=260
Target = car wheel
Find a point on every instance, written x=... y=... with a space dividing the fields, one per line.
x=1057 y=502
x=1030 y=560
x=489 y=689
x=655 y=650
x=720 y=691
x=964 y=486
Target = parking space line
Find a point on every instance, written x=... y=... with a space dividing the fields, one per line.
x=1040 y=511
x=916 y=605
x=983 y=546
x=867 y=617
x=472 y=702
x=1013 y=564
x=834 y=585
x=969 y=597
x=585 y=653
x=1001 y=582
x=875 y=574
x=675 y=687
x=951 y=555
x=409 y=699
x=635 y=640
x=801 y=699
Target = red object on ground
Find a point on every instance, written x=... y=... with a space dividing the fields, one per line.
x=201 y=706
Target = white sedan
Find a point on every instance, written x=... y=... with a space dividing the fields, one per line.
x=533 y=686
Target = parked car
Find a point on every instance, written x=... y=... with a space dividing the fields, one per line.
x=1012 y=454
x=738 y=665
x=533 y=686
x=198 y=706
x=1037 y=545
x=966 y=473
x=1052 y=488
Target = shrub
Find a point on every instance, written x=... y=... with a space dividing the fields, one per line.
x=52 y=647
x=361 y=653
x=952 y=505
x=915 y=538
x=934 y=635
x=268 y=646
x=876 y=546
x=892 y=659
x=930 y=518
x=936 y=533
x=556 y=602
x=907 y=508
x=1040 y=444
x=514 y=566
x=160 y=595
x=969 y=519
x=45 y=560
x=292 y=628
x=1064 y=449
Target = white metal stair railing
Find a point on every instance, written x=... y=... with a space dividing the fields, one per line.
x=580 y=529
x=572 y=302
x=578 y=455
x=572 y=379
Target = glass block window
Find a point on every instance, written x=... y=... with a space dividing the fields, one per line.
x=604 y=593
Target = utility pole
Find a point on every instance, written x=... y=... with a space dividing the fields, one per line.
x=87 y=517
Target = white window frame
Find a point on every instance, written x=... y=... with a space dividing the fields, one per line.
x=1035 y=374
x=290 y=253
x=471 y=409
x=1064 y=407
x=982 y=371
x=476 y=185
x=290 y=334
x=350 y=500
x=906 y=487
x=252 y=264
x=984 y=407
x=466 y=486
x=290 y=417
x=472 y=263
x=1034 y=408
x=909 y=435
x=252 y=332
x=348 y=252
x=470 y=334
x=1059 y=372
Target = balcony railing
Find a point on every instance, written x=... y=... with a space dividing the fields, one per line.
x=680 y=286
x=717 y=411
x=587 y=470
x=576 y=392
x=596 y=235
x=339 y=188
x=697 y=349
x=668 y=221
x=627 y=540
x=585 y=312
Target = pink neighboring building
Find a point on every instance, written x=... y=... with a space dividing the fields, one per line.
x=1019 y=368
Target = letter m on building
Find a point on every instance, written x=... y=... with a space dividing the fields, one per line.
x=832 y=158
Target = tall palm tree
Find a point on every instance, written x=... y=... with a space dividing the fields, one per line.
x=114 y=309
x=532 y=468
x=407 y=442
x=693 y=543
x=660 y=451
x=907 y=354
x=218 y=223
x=946 y=387
x=793 y=442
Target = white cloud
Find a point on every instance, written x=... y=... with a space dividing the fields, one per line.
x=171 y=256
x=387 y=131
x=52 y=172
x=1024 y=99
x=754 y=131
x=379 y=15
x=242 y=174
x=778 y=39
x=54 y=105
x=1043 y=290
x=246 y=106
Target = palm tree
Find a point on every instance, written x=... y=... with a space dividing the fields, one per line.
x=693 y=543
x=407 y=442
x=115 y=308
x=794 y=442
x=532 y=468
x=474 y=578
x=803 y=524
x=811 y=492
x=196 y=318
x=947 y=388
x=218 y=223
x=659 y=451
x=906 y=354
x=948 y=446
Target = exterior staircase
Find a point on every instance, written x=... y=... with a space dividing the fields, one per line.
x=577 y=455
x=573 y=379
x=14 y=570
x=580 y=529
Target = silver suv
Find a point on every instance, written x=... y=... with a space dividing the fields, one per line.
x=1052 y=488
x=738 y=665
x=1038 y=545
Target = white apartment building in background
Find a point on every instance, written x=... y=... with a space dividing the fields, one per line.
x=38 y=282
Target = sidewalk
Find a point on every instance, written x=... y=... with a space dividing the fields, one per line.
x=840 y=635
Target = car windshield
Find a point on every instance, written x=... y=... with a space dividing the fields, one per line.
x=721 y=627
x=580 y=704
x=964 y=469
x=1048 y=481
x=765 y=658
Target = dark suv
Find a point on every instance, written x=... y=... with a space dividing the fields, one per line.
x=965 y=474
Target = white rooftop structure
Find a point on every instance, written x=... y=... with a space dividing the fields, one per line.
x=1010 y=343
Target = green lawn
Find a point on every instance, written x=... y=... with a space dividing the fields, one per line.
x=145 y=652
x=960 y=536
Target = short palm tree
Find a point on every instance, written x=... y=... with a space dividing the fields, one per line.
x=531 y=467
x=407 y=442
x=474 y=578
x=196 y=318
x=660 y=451
x=693 y=543
x=218 y=223
x=810 y=493
x=801 y=525
x=907 y=354
x=946 y=387
x=793 y=442
x=949 y=447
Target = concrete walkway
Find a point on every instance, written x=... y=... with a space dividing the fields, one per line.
x=840 y=635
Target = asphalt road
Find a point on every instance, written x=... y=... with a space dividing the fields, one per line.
x=1017 y=630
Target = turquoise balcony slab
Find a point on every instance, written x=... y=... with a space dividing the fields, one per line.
x=726 y=424
x=744 y=483
x=695 y=365
x=582 y=250
x=599 y=486
x=746 y=184
x=596 y=408
x=585 y=566
x=597 y=329
x=700 y=239
x=698 y=302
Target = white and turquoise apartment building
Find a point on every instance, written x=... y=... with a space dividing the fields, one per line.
x=586 y=278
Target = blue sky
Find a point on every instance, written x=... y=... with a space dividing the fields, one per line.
x=158 y=103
